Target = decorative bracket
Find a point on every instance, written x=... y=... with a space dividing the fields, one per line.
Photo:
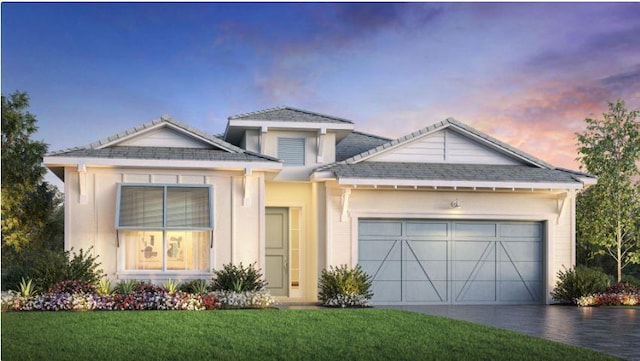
x=346 y=193
x=562 y=199
x=82 y=184
x=246 y=198
x=322 y=133
x=261 y=140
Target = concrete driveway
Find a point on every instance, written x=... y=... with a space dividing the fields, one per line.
x=615 y=331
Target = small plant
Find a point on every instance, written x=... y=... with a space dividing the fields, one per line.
x=104 y=287
x=27 y=288
x=197 y=287
x=126 y=287
x=345 y=287
x=171 y=286
x=577 y=282
x=238 y=279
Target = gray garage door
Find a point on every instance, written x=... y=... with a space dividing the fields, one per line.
x=452 y=262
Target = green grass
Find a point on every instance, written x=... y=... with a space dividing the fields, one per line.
x=362 y=334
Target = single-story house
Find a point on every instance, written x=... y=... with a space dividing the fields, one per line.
x=444 y=215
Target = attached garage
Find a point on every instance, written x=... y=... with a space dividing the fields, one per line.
x=453 y=261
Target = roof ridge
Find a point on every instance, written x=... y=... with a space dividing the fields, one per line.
x=283 y=107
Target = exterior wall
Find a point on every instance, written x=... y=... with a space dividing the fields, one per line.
x=342 y=232
x=304 y=196
x=237 y=234
x=444 y=146
x=253 y=138
x=164 y=137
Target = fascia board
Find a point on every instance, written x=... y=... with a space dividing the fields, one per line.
x=287 y=125
x=460 y=184
x=159 y=163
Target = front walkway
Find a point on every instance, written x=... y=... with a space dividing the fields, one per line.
x=615 y=331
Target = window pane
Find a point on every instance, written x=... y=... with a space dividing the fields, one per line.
x=143 y=250
x=141 y=206
x=188 y=207
x=188 y=250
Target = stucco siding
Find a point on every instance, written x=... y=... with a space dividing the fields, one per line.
x=90 y=221
x=539 y=206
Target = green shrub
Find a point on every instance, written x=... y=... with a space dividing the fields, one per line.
x=343 y=286
x=126 y=287
x=631 y=280
x=577 y=282
x=67 y=266
x=238 y=278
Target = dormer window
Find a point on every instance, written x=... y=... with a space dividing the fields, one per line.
x=291 y=151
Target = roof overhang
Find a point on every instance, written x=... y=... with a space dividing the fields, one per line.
x=236 y=127
x=57 y=164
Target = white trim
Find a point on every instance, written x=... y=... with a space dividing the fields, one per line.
x=460 y=184
x=56 y=161
x=262 y=233
x=289 y=125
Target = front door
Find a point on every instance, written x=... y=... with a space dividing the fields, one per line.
x=277 y=252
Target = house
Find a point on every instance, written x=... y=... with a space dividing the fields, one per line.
x=444 y=215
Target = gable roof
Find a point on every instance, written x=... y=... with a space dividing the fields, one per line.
x=107 y=151
x=533 y=173
x=449 y=122
x=164 y=120
x=290 y=114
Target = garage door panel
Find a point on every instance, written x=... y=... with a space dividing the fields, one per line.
x=533 y=230
x=476 y=291
x=380 y=228
x=520 y=251
x=512 y=291
x=508 y=271
x=387 y=291
x=425 y=270
x=474 y=230
x=383 y=271
x=426 y=250
x=427 y=230
x=474 y=270
x=473 y=251
x=425 y=291
x=379 y=250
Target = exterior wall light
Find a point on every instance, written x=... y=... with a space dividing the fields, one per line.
x=455 y=204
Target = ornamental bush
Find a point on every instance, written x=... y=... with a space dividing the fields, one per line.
x=345 y=287
x=577 y=282
x=238 y=279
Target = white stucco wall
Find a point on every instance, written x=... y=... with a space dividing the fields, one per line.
x=236 y=238
x=341 y=241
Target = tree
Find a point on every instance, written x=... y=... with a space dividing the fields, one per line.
x=22 y=173
x=607 y=213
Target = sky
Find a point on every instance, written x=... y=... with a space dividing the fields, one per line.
x=525 y=73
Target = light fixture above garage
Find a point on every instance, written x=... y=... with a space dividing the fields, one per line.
x=455 y=204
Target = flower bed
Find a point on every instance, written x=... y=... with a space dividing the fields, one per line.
x=79 y=296
x=619 y=294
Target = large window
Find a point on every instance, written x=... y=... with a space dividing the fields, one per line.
x=165 y=228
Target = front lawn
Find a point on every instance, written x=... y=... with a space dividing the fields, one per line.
x=356 y=334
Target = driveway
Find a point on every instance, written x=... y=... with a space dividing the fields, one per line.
x=615 y=331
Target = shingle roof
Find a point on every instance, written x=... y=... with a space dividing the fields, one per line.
x=166 y=153
x=164 y=119
x=452 y=172
x=289 y=114
x=356 y=143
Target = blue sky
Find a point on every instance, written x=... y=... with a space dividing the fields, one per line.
x=527 y=73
